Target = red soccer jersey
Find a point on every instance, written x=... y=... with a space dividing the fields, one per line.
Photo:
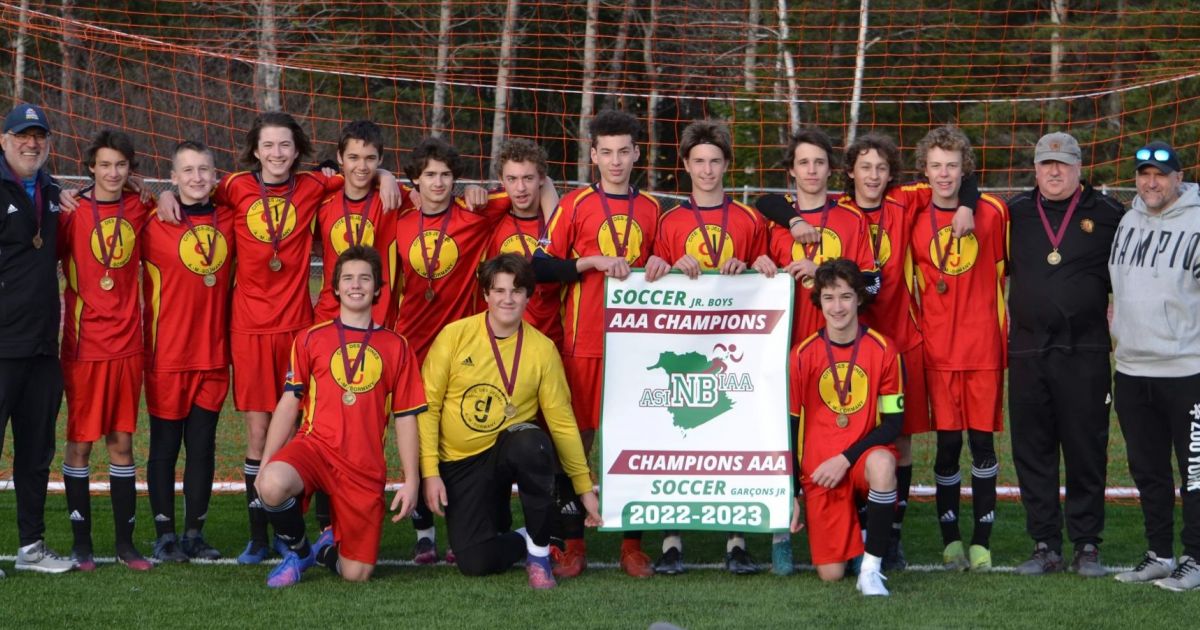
x=187 y=277
x=340 y=222
x=844 y=234
x=581 y=227
x=101 y=324
x=814 y=396
x=679 y=233
x=266 y=300
x=521 y=235
x=387 y=383
x=427 y=302
x=965 y=327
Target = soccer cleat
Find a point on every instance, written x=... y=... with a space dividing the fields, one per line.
x=323 y=541
x=425 y=552
x=167 y=549
x=781 y=558
x=290 y=569
x=254 y=553
x=739 y=562
x=541 y=577
x=670 y=562
x=870 y=583
x=83 y=560
x=953 y=557
x=41 y=559
x=130 y=557
x=1185 y=577
x=635 y=563
x=280 y=547
x=570 y=562
x=1087 y=561
x=981 y=558
x=198 y=549
x=450 y=557
x=1149 y=569
x=1043 y=560
x=893 y=559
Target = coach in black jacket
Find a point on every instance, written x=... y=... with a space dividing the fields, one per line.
x=31 y=382
x=1059 y=375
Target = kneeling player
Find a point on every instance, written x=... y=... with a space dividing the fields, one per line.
x=848 y=400
x=344 y=372
x=486 y=377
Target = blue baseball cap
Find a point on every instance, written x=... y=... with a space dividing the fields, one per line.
x=1158 y=154
x=23 y=117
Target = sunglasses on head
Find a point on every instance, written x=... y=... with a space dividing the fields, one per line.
x=1160 y=155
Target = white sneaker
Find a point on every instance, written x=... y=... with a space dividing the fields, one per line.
x=1185 y=577
x=871 y=583
x=1149 y=569
x=40 y=558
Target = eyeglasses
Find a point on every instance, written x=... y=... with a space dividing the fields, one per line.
x=1160 y=155
x=25 y=136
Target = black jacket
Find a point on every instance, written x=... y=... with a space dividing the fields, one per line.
x=29 y=303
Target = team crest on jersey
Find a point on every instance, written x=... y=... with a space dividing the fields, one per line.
x=829 y=248
x=368 y=373
x=482 y=407
x=339 y=235
x=257 y=219
x=512 y=244
x=607 y=241
x=447 y=257
x=211 y=243
x=885 y=244
x=120 y=242
x=962 y=252
x=855 y=398
x=698 y=246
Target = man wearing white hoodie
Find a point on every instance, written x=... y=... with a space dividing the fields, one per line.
x=1155 y=269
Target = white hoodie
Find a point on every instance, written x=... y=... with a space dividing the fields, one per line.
x=1155 y=270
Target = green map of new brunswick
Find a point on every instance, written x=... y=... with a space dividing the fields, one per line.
x=686 y=412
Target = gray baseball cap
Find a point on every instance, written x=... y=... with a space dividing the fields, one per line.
x=1057 y=147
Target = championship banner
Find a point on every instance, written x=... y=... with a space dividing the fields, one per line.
x=694 y=417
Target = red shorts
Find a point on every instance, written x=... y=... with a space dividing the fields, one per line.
x=966 y=399
x=356 y=502
x=170 y=395
x=585 y=377
x=916 y=394
x=260 y=367
x=102 y=397
x=831 y=514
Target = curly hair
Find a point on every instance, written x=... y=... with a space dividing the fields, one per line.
x=946 y=138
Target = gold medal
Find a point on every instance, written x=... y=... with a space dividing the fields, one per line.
x=275 y=263
x=107 y=283
x=843 y=421
x=510 y=411
x=1054 y=257
x=808 y=282
x=349 y=398
x=942 y=287
x=429 y=294
x=210 y=280
x=38 y=242
x=1087 y=225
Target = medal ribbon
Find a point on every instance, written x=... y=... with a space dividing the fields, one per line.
x=623 y=245
x=1057 y=237
x=508 y=378
x=877 y=238
x=941 y=261
x=106 y=254
x=38 y=211
x=437 y=243
x=714 y=246
x=212 y=240
x=352 y=368
x=812 y=249
x=840 y=387
x=356 y=238
x=517 y=230
x=276 y=234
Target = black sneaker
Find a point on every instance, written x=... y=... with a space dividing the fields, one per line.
x=1087 y=561
x=167 y=549
x=739 y=562
x=1044 y=560
x=197 y=548
x=894 y=559
x=670 y=563
x=425 y=552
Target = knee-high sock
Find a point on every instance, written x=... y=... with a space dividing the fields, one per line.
x=903 y=484
x=79 y=505
x=288 y=521
x=984 y=469
x=165 y=438
x=881 y=510
x=123 y=487
x=949 y=483
x=258 y=519
x=322 y=510
x=200 y=436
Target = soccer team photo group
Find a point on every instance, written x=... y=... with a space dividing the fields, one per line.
x=825 y=379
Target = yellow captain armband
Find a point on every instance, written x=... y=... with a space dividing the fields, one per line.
x=891 y=403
